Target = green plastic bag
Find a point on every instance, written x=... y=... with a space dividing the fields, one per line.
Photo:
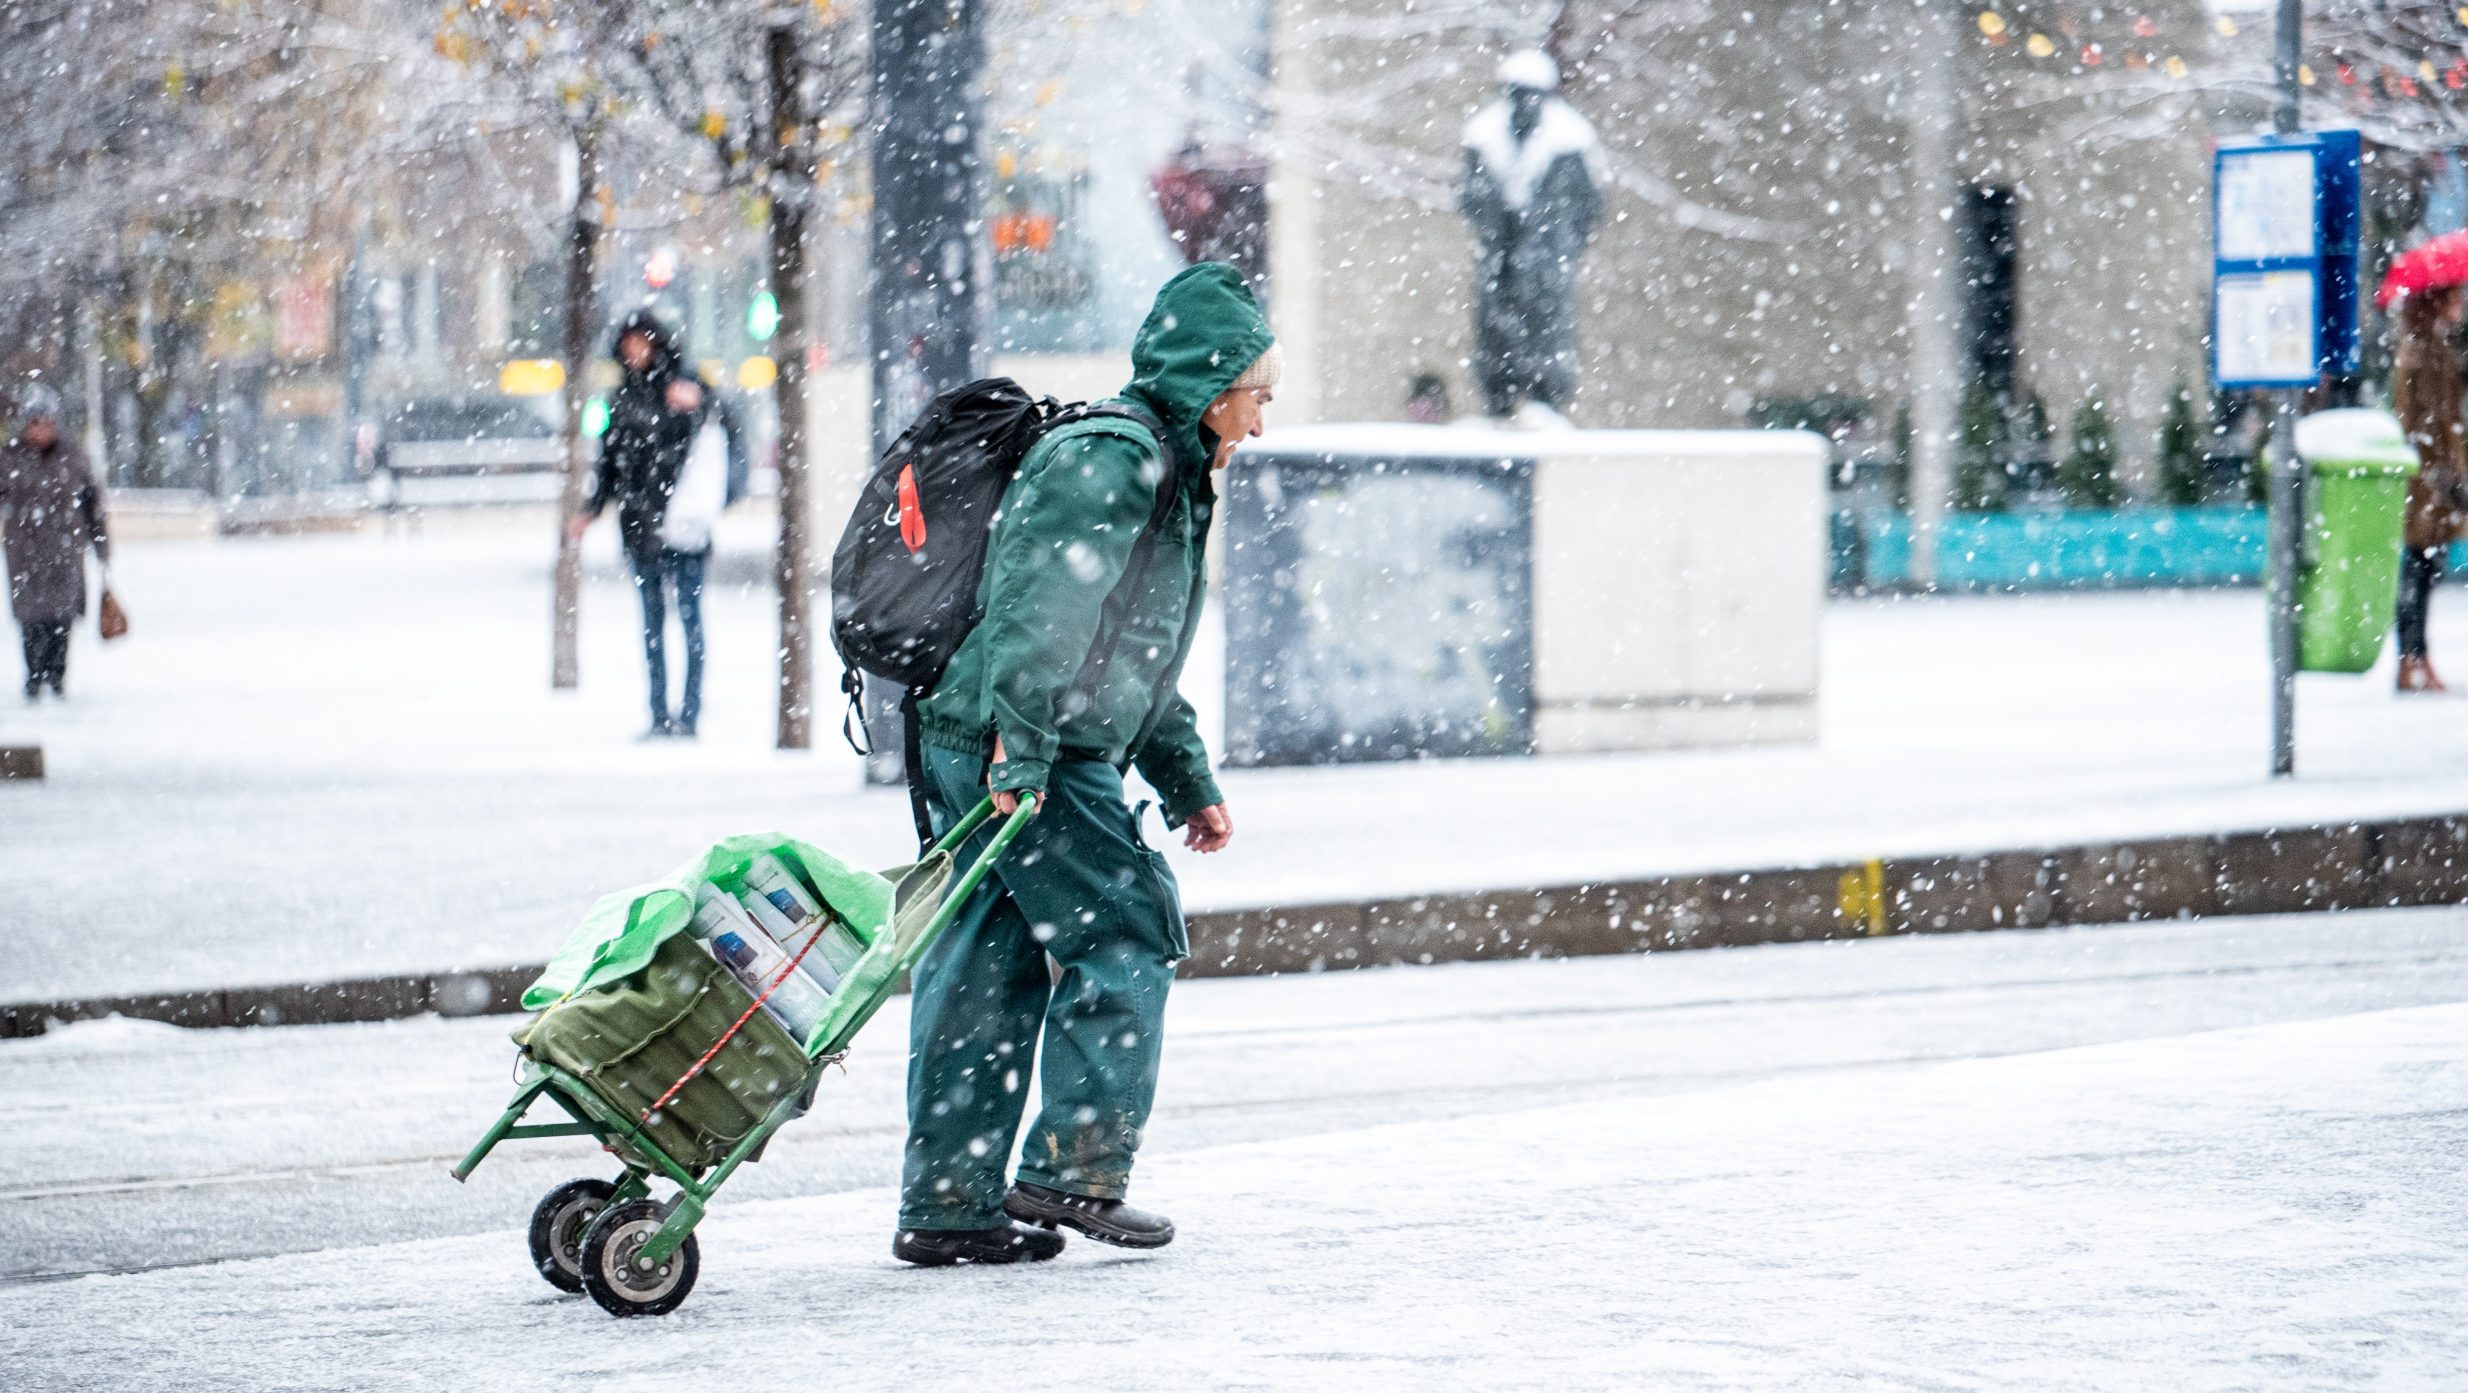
x=620 y=934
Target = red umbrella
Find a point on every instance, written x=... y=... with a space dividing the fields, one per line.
x=2430 y=266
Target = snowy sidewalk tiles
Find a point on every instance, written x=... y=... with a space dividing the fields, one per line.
x=2261 y=1208
x=2421 y=861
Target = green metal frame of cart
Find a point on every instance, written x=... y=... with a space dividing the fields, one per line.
x=593 y=1117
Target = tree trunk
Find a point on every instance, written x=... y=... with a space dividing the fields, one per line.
x=790 y=202
x=90 y=369
x=582 y=332
x=152 y=384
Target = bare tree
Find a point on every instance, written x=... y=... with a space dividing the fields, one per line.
x=151 y=151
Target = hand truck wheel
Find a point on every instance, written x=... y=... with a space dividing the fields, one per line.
x=613 y=1278
x=557 y=1226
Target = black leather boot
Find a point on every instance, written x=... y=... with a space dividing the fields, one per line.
x=1107 y=1221
x=943 y=1247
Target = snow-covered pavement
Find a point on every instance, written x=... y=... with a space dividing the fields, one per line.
x=136 y=1145
x=1800 y=1182
x=328 y=757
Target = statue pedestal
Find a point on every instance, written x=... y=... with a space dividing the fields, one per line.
x=1399 y=592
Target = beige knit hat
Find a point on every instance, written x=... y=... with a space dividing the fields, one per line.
x=1264 y=370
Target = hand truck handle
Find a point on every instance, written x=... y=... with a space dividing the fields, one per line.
x=977 y=873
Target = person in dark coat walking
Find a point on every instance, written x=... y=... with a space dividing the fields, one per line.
x=652 y=419
x=1530 y=192
x=2426 y=388
x=51 y=510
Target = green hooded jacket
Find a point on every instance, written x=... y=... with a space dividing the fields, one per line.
x=1055 y=593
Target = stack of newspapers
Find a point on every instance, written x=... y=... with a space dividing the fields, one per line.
x=760 y=928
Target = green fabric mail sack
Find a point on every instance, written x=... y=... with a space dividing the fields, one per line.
x=632 y=1000
x=630 y=1041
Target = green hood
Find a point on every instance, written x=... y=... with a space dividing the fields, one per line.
x=1203 y=331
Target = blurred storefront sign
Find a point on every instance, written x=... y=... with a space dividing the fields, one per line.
x=1045 y=283
x=304 y=317
x=531 y=377
x=237 y=326
x=1214 y=199
x=303 y=398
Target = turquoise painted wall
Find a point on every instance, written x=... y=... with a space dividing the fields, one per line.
x=2060 y=550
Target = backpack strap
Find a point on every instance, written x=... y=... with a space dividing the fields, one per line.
x=1144 y=551
x=912 y=756
x=912 y=747
x=853 y=721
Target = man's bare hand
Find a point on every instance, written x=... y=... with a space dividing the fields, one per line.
x=684 y=395
x=1209 y=829
x=1005 y=801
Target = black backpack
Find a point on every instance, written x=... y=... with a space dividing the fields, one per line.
x=904 y=577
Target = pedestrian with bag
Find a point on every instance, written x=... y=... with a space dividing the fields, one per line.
x=657 y=417
x=1091 y=591
x=51 y=511
x=2427 y=386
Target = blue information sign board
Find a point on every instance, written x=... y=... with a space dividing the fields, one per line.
x=2286 y=219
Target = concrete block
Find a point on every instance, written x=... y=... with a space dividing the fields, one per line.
x=490 y=991
x=1785 y=906
x=2423 y=861
x=1248 y=942
x=1579 y=728
x=1956 y=894
x=1682 y=911
x=2166 y=878
x=1446 y=928
x=1588 y=920
x=196 y=1010
x=330 y=1003
x=1711 y=911
x=2289 y=870
x=21 y=762
x=1675 y=565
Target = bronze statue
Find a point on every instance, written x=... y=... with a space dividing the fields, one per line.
x=1531 y=192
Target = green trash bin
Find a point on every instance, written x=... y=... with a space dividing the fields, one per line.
x=2358 y=465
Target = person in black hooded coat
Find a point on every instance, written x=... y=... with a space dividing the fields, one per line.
x=653 y=416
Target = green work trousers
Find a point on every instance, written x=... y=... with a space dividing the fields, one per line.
x=1078 y=886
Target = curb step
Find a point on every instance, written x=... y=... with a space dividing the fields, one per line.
x=2369 y=865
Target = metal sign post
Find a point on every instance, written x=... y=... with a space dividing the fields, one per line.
x=928 y=295
x=2286 y=217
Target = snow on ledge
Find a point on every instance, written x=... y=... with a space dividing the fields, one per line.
x=1405 y=439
